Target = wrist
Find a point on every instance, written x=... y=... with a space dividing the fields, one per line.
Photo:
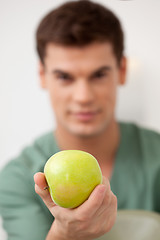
x=55 y=234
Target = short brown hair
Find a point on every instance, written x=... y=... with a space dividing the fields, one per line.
x=78 y=23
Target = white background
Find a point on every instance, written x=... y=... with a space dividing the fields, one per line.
x=25 y=111
x=24 y=108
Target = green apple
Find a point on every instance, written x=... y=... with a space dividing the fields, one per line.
x=71 y=176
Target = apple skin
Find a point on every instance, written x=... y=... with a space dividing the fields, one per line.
x=71 y=176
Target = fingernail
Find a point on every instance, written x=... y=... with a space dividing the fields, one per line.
x=45 y=188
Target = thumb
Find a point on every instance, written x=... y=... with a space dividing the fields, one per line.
x=91 y=205
x=41 y=188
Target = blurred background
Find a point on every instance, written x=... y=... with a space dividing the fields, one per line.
x=25 y=111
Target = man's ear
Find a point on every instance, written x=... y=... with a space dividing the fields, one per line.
x=123 y=71
x=42 y=75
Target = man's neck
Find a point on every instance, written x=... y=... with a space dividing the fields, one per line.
x=103 y=146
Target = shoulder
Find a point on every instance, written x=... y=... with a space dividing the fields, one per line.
x=141 y=134
x=142 y=142
x=20 y=170
x=33 y=157
x=150 y=141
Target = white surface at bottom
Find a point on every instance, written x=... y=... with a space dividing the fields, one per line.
x=3 y=235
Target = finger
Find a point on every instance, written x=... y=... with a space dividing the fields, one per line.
x=108 y=201
x=40 y=186
x=108 y=192
x=97 y=196
x=104 y=180
x=40 y=180
x=90 y=206
x=111 y=212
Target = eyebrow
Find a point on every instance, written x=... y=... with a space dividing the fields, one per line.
x=58 y=71
x=62 y=72
x=101 y=69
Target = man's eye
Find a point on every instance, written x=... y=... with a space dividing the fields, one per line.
x=100 y=75
x=63 y=77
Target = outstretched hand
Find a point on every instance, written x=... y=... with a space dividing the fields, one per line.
x=93 y=218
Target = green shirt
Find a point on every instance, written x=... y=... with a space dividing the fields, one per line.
x=135 y=181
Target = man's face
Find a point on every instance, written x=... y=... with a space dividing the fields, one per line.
x=82 y=84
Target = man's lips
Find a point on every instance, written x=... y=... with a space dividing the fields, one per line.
x=84 y=116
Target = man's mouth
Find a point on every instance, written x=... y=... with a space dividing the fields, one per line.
x=85 y=116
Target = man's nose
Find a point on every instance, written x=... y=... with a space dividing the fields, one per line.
x=83 y=92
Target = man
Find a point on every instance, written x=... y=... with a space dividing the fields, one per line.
x=80 y=46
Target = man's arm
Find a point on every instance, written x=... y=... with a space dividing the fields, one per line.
x=24 y=214
x=93 y=218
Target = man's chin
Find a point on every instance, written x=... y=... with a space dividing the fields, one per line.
x=86 y=132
